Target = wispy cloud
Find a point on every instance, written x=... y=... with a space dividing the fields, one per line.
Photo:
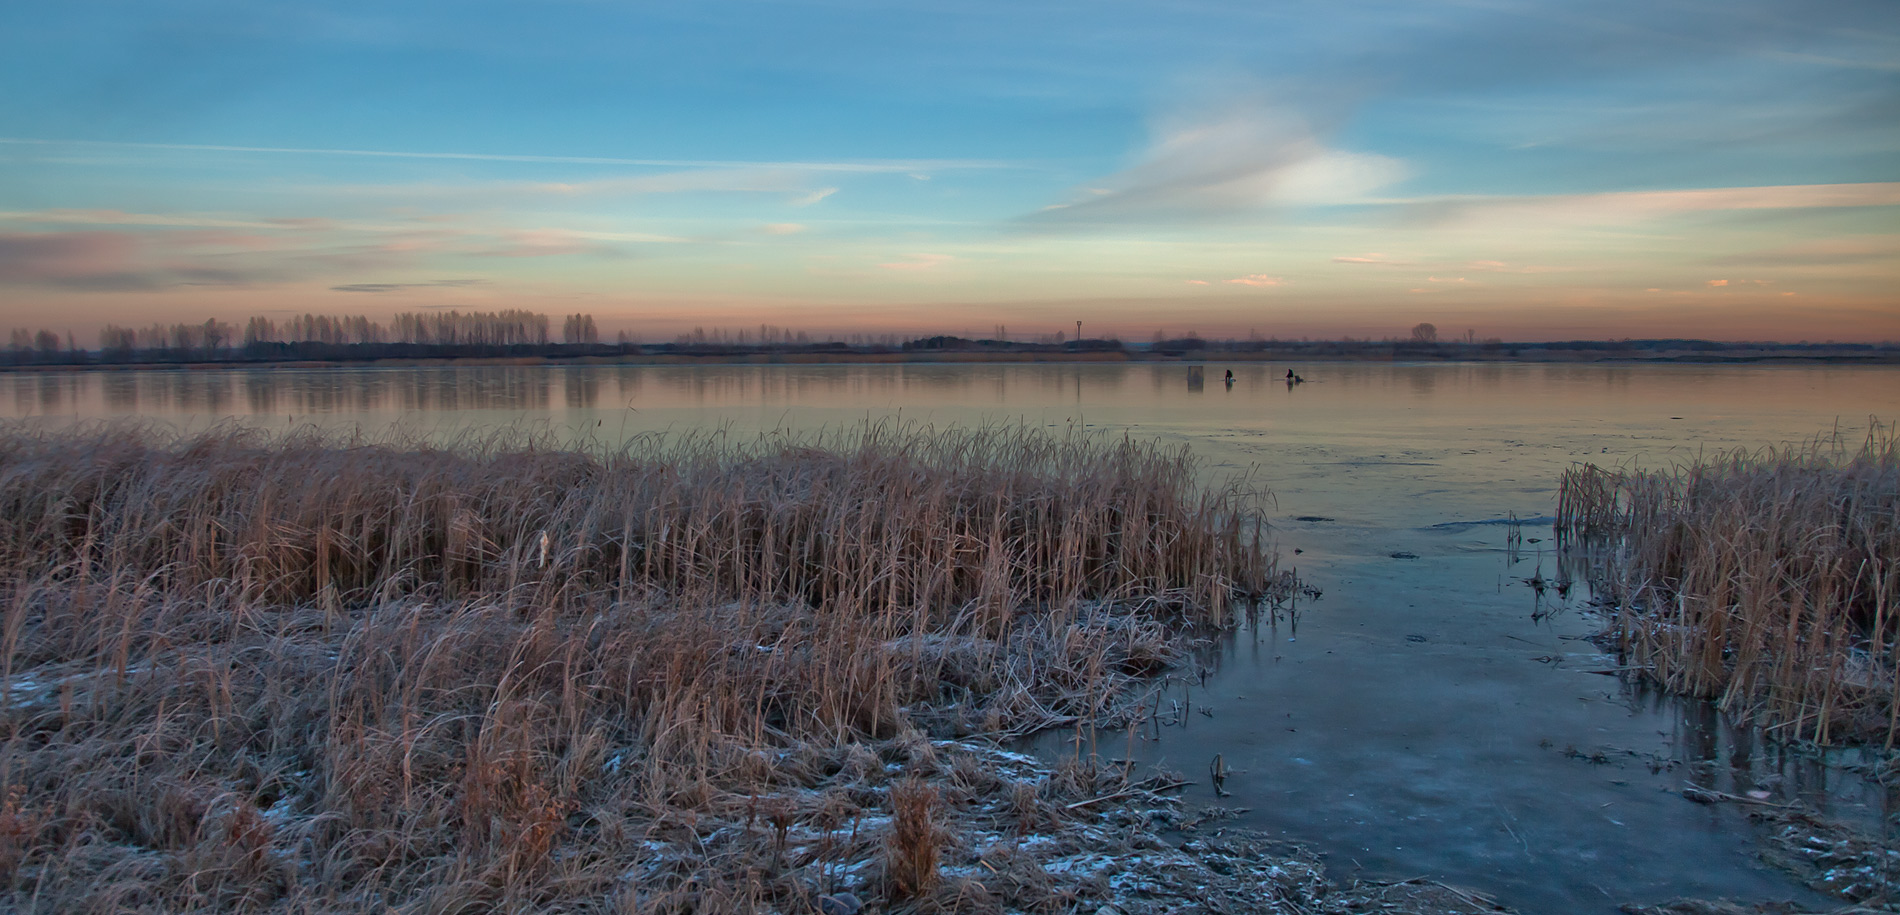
x=1257 y=279
x=398 y=287
x=782 y=228
x=802 y=188
x=1831 y=252
x=56 y=258
x=873 y=166
x=1371 y=260
x=188 y=220
x=122 y=218
x=1620 y=207
x=1242 y=159
x=558 y=242
x=106 y=262
x=1503 y=267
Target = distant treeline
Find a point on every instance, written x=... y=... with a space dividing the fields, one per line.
x=519 y=333
x=443 y=335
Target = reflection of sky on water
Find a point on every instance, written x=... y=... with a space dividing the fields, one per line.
x=1441 y=755
x=1449 y=389
x=1380 y=441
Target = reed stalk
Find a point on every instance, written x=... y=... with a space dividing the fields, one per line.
x=1766 y=580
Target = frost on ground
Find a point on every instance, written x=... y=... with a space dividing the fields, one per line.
x=1827 y=855
x=957 y=826
x=1832 y=857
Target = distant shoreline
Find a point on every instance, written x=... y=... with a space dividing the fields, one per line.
x=1635 y=352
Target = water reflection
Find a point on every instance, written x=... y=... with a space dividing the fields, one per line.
x=1716 y=753
x=1549 y=394
x=121 y=392
x=581 y=387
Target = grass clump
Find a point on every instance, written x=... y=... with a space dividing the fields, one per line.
x=1767 y=580
x=246 y=672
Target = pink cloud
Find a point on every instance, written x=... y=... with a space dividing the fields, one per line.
x=1197 y=282
x=1502 y=267
x=1257 y=279
x=1718 y=282
x=66 y=258
x=1617 y=207
x=1374 y=260
x=211 y=238
x=546 y=243
x=303 y=222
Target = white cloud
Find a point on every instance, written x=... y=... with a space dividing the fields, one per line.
x=1257 y=279
x=783 y=228
x=1335 y=177
x=1243 y=159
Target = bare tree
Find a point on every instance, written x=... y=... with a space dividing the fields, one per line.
x=1425 y=332
x=120 y=341
x=579 y=328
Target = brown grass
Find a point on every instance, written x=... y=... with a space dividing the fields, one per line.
x=246 y=672
x=1767 y=580
x=915 y=843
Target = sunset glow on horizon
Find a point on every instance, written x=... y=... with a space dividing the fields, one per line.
x=1526 y=170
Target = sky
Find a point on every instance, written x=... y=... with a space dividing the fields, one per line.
x=1523 y=169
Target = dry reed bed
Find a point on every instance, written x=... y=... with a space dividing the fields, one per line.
x=295 y=674
x=1768 y=580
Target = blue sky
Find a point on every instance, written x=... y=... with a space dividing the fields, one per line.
x=1522 y=169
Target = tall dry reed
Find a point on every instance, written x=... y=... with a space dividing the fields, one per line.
x=1768 y=580
x=246 y=672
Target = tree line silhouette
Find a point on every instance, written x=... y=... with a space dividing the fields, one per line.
x=447 y=334
x=521 y=333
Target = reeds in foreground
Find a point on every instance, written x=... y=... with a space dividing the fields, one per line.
x=246 y=672
x=1768 y=580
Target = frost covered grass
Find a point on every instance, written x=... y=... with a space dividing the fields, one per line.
x=292 y=673
x=1767 y=580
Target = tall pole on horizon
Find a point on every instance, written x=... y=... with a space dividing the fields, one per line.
x=1078 y=332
